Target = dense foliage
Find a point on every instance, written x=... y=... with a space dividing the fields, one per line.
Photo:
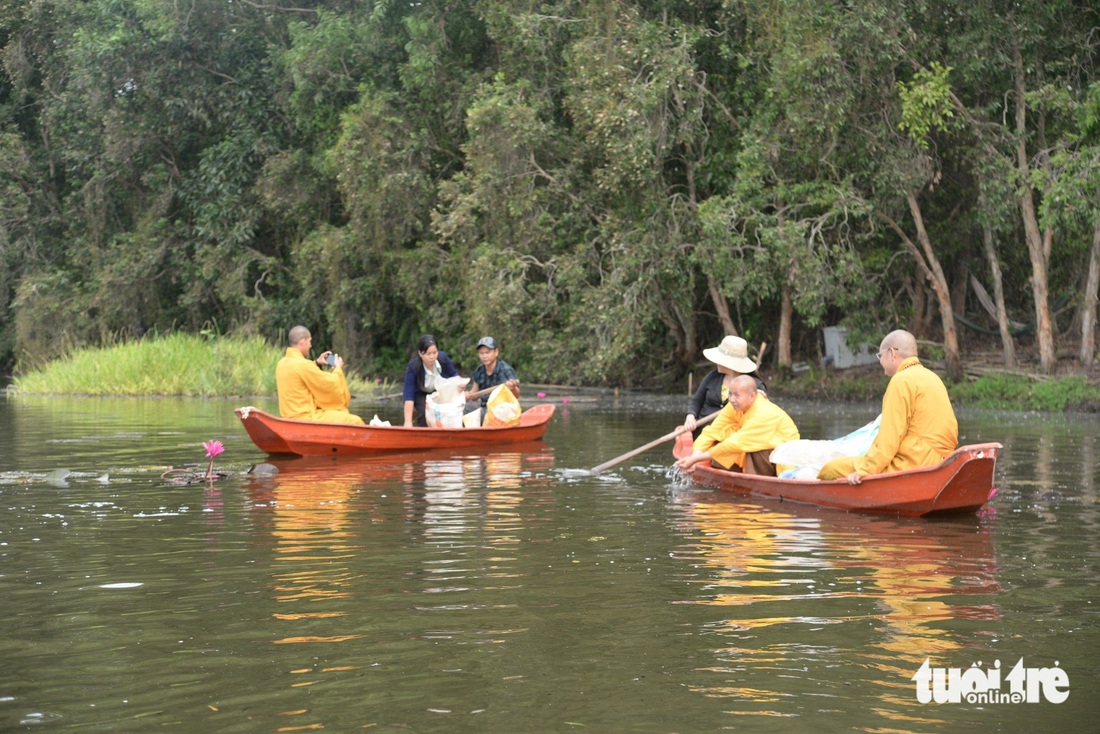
x=606 y=186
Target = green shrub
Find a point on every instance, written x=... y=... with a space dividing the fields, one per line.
x=1016 y=392
x=999 y=391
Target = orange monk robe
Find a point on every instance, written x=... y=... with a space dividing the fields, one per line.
x=918 y=426
x=734 y=433
x=310 y=394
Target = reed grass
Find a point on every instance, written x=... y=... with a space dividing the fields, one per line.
x=175 y=364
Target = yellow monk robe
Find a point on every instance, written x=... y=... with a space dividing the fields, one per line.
x=734 y=433
x=918 y=426
x=310 y=394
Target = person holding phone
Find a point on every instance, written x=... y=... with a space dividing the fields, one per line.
x=306 y=390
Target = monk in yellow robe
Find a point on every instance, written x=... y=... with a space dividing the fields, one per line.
x=306 y=391
x=743 y=435
x=918 y=424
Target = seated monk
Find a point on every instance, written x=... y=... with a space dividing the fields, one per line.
x=918 y=424
x=306 y=391
x=743 y=435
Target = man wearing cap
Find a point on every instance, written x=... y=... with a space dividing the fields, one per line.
x=306 y=391
x=918 y=424
x=743 y=435
x=492 y=371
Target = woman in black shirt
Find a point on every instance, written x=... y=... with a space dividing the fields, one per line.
x=732 y=359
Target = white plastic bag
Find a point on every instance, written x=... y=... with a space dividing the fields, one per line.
x=809 y=454
x=444 y=407
x=376 y=421
x=502 y=408
x=450 y=389
x=443 y=415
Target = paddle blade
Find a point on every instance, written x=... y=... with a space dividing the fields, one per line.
x=683 y=446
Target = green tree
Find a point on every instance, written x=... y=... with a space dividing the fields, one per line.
x=1022 y=71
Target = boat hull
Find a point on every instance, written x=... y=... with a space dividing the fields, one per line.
x=962 y=482
x=276 y=435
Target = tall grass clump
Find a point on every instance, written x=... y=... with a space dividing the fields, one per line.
x=1014 y=392
x=176 y=364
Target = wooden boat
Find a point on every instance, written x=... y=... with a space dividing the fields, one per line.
x=277 y=435
x=962 y=482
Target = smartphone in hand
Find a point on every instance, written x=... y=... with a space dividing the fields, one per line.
x=331 y=359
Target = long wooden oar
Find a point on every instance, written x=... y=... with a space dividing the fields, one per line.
x=471 y=396
x=479 y=393
x=651 y=444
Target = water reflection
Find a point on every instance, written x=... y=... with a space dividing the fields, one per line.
x=465 y=506
x=498 y=591
x=307 y=507
x=313 y=573
x=312 y=547
x=354 y=535
x=832 y=581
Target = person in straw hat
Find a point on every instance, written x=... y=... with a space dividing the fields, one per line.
x=743 y=435
x=731 y=358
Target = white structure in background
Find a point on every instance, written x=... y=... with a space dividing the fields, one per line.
x=840 y=355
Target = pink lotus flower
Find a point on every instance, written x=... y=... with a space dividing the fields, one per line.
x=565 y=401
x=213 y=448
x=541 y=394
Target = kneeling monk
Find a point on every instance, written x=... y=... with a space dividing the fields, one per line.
x=743 y=435
x=306 y=391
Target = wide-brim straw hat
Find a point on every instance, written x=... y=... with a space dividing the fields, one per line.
x=733 y=353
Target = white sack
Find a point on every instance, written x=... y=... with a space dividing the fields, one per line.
x=806 y=453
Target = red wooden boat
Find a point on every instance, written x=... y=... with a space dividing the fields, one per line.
x=277 y=435
x=962 y=482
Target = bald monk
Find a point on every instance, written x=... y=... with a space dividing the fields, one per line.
x=306 y=391
x=918 y=424
x=743 y=435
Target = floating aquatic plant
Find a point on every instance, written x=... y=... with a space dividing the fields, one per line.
x=188 y=476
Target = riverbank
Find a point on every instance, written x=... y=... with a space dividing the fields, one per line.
x=201 y=366
x=186 y=365
x=986 y=386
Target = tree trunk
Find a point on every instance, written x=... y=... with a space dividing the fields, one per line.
x=920 y=296
x=721 y=307
x=681 y=328
x=960 y=286
x=783 y=343
x=1008 y=345
x=1038 y=246
x=1088 y=308
x=930 y=266
x=691 y=343
x=958 y=291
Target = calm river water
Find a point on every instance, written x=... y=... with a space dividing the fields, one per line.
x=508 y=591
